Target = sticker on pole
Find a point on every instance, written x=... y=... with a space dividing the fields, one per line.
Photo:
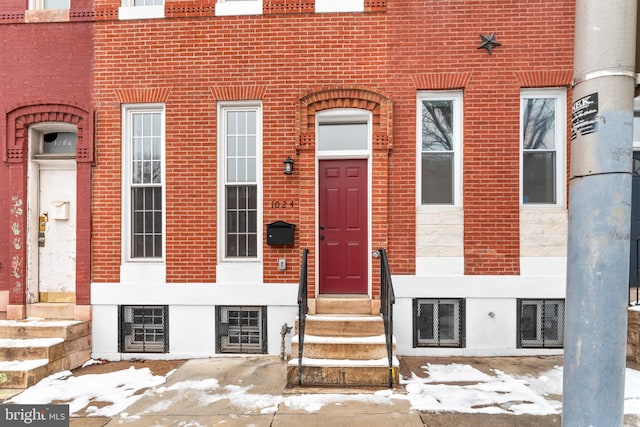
x=584 y=114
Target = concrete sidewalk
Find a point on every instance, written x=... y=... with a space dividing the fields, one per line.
x=254 y=383
x=266 y=379
x=251 y=391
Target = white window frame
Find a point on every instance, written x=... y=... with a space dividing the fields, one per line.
x=39 y=5
x=337 y=116
x=128 y=111
x=457 y=98
x=129 y=11
x=238 y=7
x=328 y=6
x=560 y=96
x=223 y=108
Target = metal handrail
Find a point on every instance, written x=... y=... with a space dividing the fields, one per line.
x=387 y=299
x=303 y=309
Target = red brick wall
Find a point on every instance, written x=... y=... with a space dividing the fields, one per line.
x=288 y=56
x=442 y=38
x=284 y=57
x=45 y=68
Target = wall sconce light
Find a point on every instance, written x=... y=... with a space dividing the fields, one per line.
x=288 y=166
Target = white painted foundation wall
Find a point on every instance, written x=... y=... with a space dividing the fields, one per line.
x=490 y=309
x=191 y=315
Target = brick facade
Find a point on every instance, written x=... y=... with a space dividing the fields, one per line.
x=296 y=63
x=282 y=58
x=42 y=84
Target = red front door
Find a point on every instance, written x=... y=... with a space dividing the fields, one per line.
x=343 y=260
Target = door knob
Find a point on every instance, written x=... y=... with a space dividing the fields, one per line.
x=321 y=237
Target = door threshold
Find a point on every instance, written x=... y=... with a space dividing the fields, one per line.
x=343 y=296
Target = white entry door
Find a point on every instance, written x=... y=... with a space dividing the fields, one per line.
x=56 y=231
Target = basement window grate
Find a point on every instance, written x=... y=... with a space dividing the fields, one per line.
x=540 y=323
x=438 y=322
x=144 y=329
x=241 y=329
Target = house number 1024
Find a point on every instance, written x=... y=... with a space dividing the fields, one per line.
x=281 y=204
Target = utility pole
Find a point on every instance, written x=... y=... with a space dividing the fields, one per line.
x=599 y=213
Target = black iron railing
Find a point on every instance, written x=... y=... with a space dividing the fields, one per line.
x=303 y=309
x=387 y=299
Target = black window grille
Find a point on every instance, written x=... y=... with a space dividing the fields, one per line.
x=540 y=323
x=144 y=329
x=241 y=329
x=438 y=322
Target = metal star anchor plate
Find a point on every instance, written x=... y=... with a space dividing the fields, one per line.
x=488 y=42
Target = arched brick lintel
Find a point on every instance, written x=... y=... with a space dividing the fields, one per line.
x=19 y=120
x=15 y=153
x=361 y=98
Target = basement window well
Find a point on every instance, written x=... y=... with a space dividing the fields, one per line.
x=241 y=329
x=438 y=322
x=540 y=323
x=144 y=329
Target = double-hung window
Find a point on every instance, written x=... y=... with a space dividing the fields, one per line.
x=240 y=154
x=439 y=148
x=339 y=6
x=141 y=9
x=146 y=2
x=48 y=4
x=543 y=138
x=143 y=148
x=238 y=7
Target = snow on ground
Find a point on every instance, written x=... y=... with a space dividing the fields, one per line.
x=116 y=389
x=447 y=388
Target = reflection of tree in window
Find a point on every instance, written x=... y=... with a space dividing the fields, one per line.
x=437 y=152
x=538 y=124
x=539 y=150
x=437 y=129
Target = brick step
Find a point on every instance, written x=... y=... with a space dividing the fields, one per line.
x=343 y=305
x=323 y=372
x=351 y=348
x=343 y=325
x=34 y=349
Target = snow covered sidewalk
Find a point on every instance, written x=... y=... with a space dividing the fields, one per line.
x=251 y=391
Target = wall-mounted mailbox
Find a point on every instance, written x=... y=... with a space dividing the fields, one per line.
x=280 y=233
x=59 y=210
